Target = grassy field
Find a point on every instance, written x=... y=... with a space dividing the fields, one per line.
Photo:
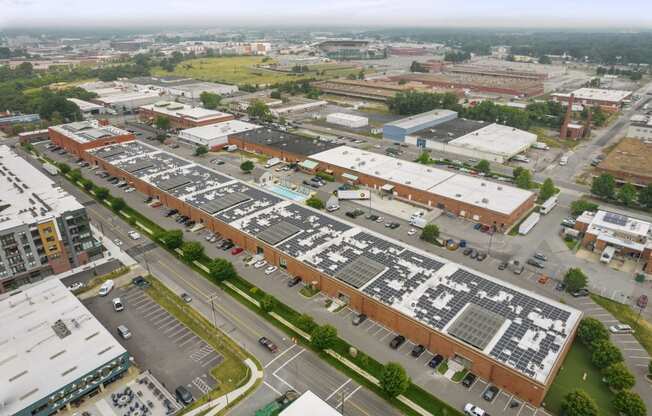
x=243 y=70
x=627 y=315
x=571 y=377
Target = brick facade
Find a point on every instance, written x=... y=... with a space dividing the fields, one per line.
x=78 y=148
x=284 y=155
x=180 y=122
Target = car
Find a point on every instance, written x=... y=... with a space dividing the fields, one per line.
x=294 y=281
x=117 y=242
x=139 y=281
x=106 y=287
x=171 y=212
x=411 y=231
x=265 y=342
x=502 y=266
x=474 y=253
x=481 y=256
x=372 y=217
x=124 y=332
x=568 y=222
x=354 y=214
x=130 y=189
x=260 y=264
x=621 y=329
x=236 y=250
x=468 y=251
x=380 y=220
x=435 y=361
x=535 y=263
x=190 y=223
x=490 y=393
x=209 y=236
x=396 y=342
x=229 y=245
x=186 y=297
x=393 y=225
x=183 y=395
x=473 y=410
x=133 y=235
x=540 y=256
x=468 y=379
x=417 y=350
x=560 y=286
x=270 y=270
x=452 y=245
x=118 y=305
x=358 y=319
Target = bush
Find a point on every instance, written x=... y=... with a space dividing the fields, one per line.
x=267 y=303
x=483 y=166
x=618 y=377
x=547 y=189
x=171 y=239
x=64 y=168
x=88 y=185
x=591 y=330
x=430 y=233
x=578 y=403
x=101 y=193
x=323 y=337
x=575 y=280
x=118 y=204
x=75 y=175
x=306 y=323
x=325 y=176
x=220 y=270
x=581 y=205
x=315 y=203
x=247 y=166
x=629 y=404
x=605 y=354
x=192 y=250
x=393 y=380
x=201 y=150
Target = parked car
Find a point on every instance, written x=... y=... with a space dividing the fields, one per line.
x=535 y=263
x=393 y=225
x=380 y=220
x=490 y=393
x=560 y=286
x=417 y=350
x=467 y=251
x=412 y=231
x=354 y=214
x=183 y=395
x=271 y=347
x=133 y=235
x=76 y=286
x=358 y=319
x=435 y=361
x=117 y=305
x=260 y=264
x=473 y=410
x=236 y=250
x=396 y=342
x=580 y=293
x=540 y=256
x=186 y=297
x=106 y=287
x=621 y=329
x=481 y=256
x=139 y=281
x=124 y=332
x=372 y=217
x=474 y=253
x=468 y=379
x=294 y=281
x=502 y=266
x=270 y=270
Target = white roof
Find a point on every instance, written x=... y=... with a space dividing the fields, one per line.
x=88 y=131
x=349 y=117
x=36 y=362
x=419 y=119
x=213 y=131
x=85 y=105
x=601 y=223
x=497 y=139
x=52 y=201
x=470 y=189
x=127 y=96
x=309 y=404
x=184 y=110
x=599 y=94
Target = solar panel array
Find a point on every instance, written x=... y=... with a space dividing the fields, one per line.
x=224 y=202
x=259 y=200
x=137 y=166
x=476 y=326
x=360 y=271
x=613 y=218
x=278 y=232
x=171 y=183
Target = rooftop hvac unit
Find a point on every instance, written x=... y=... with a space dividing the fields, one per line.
x=483 y=184
x=485 y=201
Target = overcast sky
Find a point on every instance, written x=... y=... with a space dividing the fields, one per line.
x=429 y=13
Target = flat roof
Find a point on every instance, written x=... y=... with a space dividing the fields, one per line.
x=285 y=141
x=497 y=139
x=473 y=190
x=349 y=117
x=309 y=404
x=598 y=94
x=419 y=119
x=449 y=130
x=85 y=105
x=175 y=109
x=28 y=196
x=631 y=157
x=217 y=130
x=121 y=96
x=49 y=340
x=88 y=131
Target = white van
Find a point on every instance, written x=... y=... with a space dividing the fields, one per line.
x=607 y=254
x=272 y=162
x=563 y=161
x=106 y=287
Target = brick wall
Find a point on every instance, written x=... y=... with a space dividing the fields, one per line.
x=78 y=149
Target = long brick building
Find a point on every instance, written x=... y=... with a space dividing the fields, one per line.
x=77 y=137
x=182 y=116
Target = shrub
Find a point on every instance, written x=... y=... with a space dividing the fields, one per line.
x=618 y=377
x=575 y=280
x=581 y=205
x=171 y=239
x=591 y=330
x=325 y=176
x=315 y=203
x=192 y=250
x=118 y=204
x=430 y=233
x=629 y=403
x=605 y=354
x=247 y=166
x=220 y=269
x=101 y=193
x=393 y=380
x=267 y=303
x=578 y=403
x=306 y=323
x=323 y=337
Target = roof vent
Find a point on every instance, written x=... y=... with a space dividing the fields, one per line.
x=500 y=188
x=485 y=201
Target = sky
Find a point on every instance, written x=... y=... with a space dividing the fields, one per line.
x=366 y=13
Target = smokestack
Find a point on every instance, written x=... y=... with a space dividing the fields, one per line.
x=587 y=125
x=569 y=110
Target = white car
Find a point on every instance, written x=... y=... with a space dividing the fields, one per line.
x=412 y=231
x=117 y=242
x=473 y=410
x=260 y=264
x=117 y=304
x=621 y=329
x=380 y=220
x=131 y=189
x=271 y=269
x=106 y=287
x=133 y=235
x=76 y=286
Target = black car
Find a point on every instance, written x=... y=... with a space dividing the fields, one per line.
x=171 y=212
x=267 y=343
x=580 y=293
x=393 y=225
x=467 y=251
x=490 y=393
x=435 y=361
x=417 y=350
x=468 y=380
x=294 y=281
x=148 y=200
x=139 y=281
x=396 y=342
x=372 y=217
x=535 y=263
x=481 y=256
x=354 y=214
x=502 y=266
x=183 y=395
x=561 y=286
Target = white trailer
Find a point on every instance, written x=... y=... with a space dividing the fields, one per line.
x=547 y=206
x=272 y=162
x=529 y=223
x=418 y=222
x=607 y=254
x=51 y=169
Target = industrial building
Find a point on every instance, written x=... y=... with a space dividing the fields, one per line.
x=399 y=129
x=629 y=162
x=608 y=99
x=182 y=116
x=54 y=351
x=43 y=229
x=369 y=90
x=351 y=49
x=640 y=127
x=8 y=120
x=83 y=135
x=126 y=100
x=178 y=86
x=309 y=404
x=89 y=109
x=215 y=136
x=497 y=72
x=347 y=120
x=630 y=237
x=476 y=83
x=509 y=336
x=474 y=139
x=475 y=198
x=296 y=105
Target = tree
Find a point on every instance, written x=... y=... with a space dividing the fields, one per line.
x=201 y=150
x=524 y=179
x=645 y=196
x=247 y=166
x=547 y=189
x=483 y=166
x=306 y=323
x=575 y=279
x=618 y=377
x=260 y=110
x=578 y=207
x=210 y=100
x=101 y=193
x=627 y=194
x=418 y=67
x=628 y=403
x=162 y=122
x=118 y=204
x=276 y=94
x=64 y=168
x=393 y=380
x=430 y=233
x=578 y=403
x=192 y=250
x=323 y=337
x=591 y=330
x=604 y=186
x=87 y=184
x=315 y=202
x=171 y=239
x=424 y=158
x=75 y=175
x=599 y=117
x=220 y=269
x=517 y=171
x=545 y=60
x=267 y=303
x=605 y=353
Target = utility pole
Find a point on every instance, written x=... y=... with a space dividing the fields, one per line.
x=212 y=299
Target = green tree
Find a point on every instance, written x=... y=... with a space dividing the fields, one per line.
x=524 y=179
x=575 y=279
x=306 y=323
x=87 y=184
x=516 y=172
x=578 y=403
x=75 y=175
x=424 y=158
x=315 y=202
x=260 y=110
x=627 y=194
x=545 y=60
x=118 y=204
x=171 y=239
x=618 y=377
x=581 y=205
x=201 y=150
x=64 y=168
x=393 y=380
x=267 y=303
x=220 y=270
x=604 y=354
x=604 y=186
x=645 y=196
x=547 y=189
x=430 y=233
x=483 y=166
x=591 y=330
x=162 y=122
x=210 y=100
x=323 y=337
x=628 y=403
x=247 y=166
x=101 y=193
x=192 y=250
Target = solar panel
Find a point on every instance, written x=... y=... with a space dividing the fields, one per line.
x=278 y=232
x=224 y=202
x=613 y=218
x=174 y=182
x=360 y=271
x=476 y=326
x=135 y=167
x=105 y=153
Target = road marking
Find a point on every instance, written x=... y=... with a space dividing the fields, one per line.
x=638 y=357
x=288 y=361
x=161 y=320
x=336 y=390
x=352 y=393
x=152 y=305
x=593 y=309
x=388 y=334
x=285 y=382
x=154 y=312
x=272 y=388
x=216 y=357
x=370 y=328
x=508 y=401
x=279 y=356
x=139 y=302
x=173 y=327
x=188 y=340
x=633 y=349
x=379 y=331
x=201 y=385
x=602 y=314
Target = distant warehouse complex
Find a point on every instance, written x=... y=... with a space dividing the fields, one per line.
x=509 y=336
x=178 y=86
x=593 y=97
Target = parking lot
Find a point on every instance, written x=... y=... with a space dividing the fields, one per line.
x=158 y=337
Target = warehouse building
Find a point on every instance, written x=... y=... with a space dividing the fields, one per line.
x=509 y=336
x=182 y=116
x=351 y=49
x=369 y=90
x=215 y=136
x=608 y=99
x=474 y=139
x=398 y=130
x=296 y=106
x=178 y=86
x=89 y=109
x=475 y=83
x=629 y=162
x=124 y=100
x=640 y=128
x=480 y=200
x=83 y=135
x=43 y=229
x=54 y=351
x=347 y=120
x=9 y=120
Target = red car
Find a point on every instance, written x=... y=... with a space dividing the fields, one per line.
x=265 y=342
x=236 y=250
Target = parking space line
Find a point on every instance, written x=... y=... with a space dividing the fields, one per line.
x=288 y=361
x=272 y=388
x=214 y=358
x=163 y=319
x=404 y=345
x=336 y=390
x=279 y=356
x=187 y=341
x=379 y=330
x=139 y=302
x=372 y=328
x=386 y=335
x=177 y=332
x=352 y=393
x=154 y=312
x=478 y=381
x=151 y=305
x=173 y=327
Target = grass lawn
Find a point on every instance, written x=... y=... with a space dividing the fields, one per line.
x=571 y=244
x=627 y=315
x=309 y=291
x=570 y=377
x=443 y=367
